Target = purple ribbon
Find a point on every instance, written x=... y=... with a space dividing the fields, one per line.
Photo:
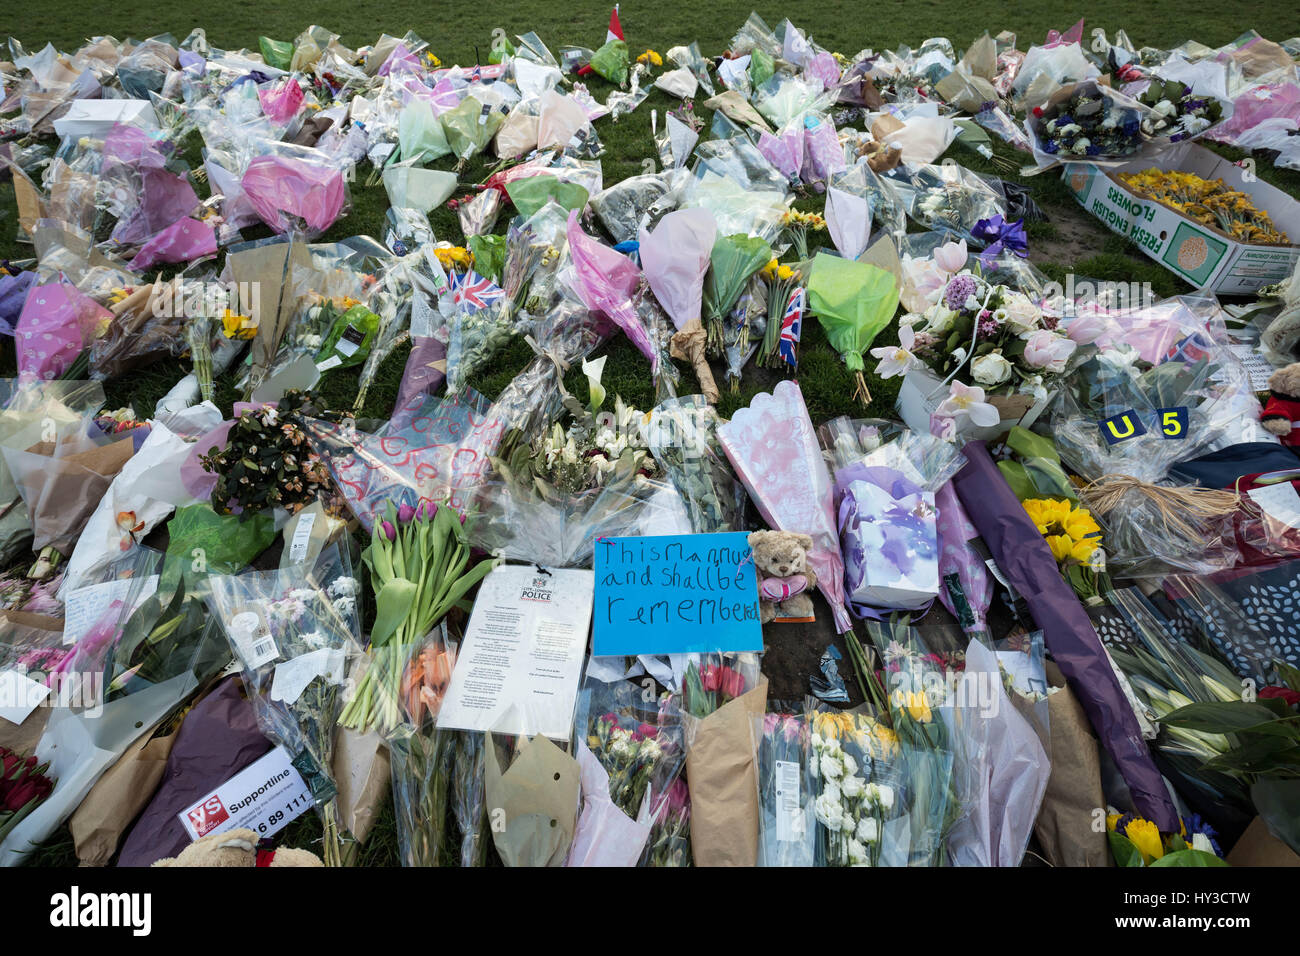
x=998 y=235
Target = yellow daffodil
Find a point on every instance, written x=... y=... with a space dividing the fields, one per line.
x=785 y=273
x=1145 y=835
x=237 y=326
x=1111 y=820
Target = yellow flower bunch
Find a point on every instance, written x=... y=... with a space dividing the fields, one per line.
x=1209 y=202
x=915 y=703
x=1071 y=532
x=432 y=60
x=237 y=326
x=869 y=734
x=778 y=271
x=454 y=257
x=804 y=220
x=118 y=294
x=650 y=58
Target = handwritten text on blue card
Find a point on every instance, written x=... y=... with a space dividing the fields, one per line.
x=676 y=594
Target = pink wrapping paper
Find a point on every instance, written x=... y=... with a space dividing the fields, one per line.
x=276 y=185
x=605 y=282
x=182 y=241
x=281 y=101
x=56 y=323
x=773 y=448
x=675 y=258
x=784 y=150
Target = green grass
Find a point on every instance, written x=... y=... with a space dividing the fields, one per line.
x=460 y=32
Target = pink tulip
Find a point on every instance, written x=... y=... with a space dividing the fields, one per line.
x=1086 y=329
x=951 y=256
x=405 y=513
x=388 y=530
x=1048 y=351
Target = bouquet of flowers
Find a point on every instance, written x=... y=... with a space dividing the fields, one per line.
x=682 y=436
x=1177 y=112
x=267 y=462
x=787 y=825
x=23 y=787
x=857 y=782
x=670 y=835
x=784 y=299
x=944 y=198
x=640 y=751
x=295 y=638
x=421 y=754
x=1088 y=121
x=773 y=449
x=1135 y=841
x=419 y=560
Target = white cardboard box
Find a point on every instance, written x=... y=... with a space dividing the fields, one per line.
x=1207 y=258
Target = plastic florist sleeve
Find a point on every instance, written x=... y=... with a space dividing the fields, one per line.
x=294 y=637
x=631 y=754
x=885 y=501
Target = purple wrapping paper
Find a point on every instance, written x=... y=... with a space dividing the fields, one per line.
x=957 y=557
x=217 y=740
x=13 y=294
x=426 y=369
x=1024 y=557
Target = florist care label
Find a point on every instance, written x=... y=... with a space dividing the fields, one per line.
x=518 y=667
x=264 y=797
x=676 y=594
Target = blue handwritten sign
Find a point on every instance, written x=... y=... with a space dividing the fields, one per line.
x=675 y=594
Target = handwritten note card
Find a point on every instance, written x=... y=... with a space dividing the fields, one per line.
x=676 y=594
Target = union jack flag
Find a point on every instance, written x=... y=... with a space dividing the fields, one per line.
x=791 y=327
x=473 y=291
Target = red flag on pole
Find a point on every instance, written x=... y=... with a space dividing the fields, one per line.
x=615 y=31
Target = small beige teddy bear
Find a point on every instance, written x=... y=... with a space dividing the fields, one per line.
x=785 y=579
x=237 y=848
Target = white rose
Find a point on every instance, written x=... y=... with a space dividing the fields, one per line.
x=939 y=319
x=868 y=830
x=991 y=369
x=1021 y=314
x=850 y=765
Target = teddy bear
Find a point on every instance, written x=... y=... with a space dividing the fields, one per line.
x=785 y=579
x=1282 y=410
x=237 y=848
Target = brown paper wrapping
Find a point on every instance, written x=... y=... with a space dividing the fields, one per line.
x=62 y=496
x=533 y=807
x=271 y=270
x=1066 y=825
x=688 y=345
x=1258 y=847
x=736 y=107
x=361 y=770
x=722 y=776
x=120 y=794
